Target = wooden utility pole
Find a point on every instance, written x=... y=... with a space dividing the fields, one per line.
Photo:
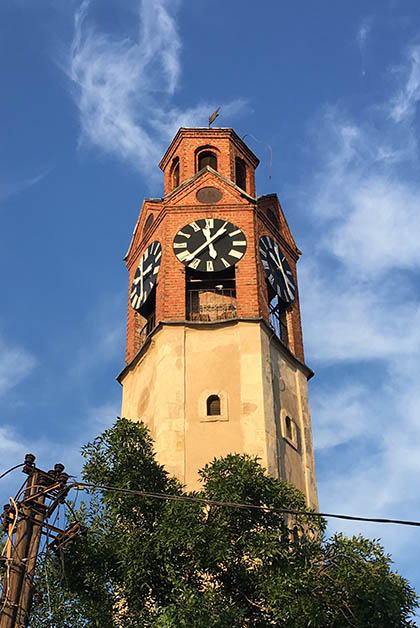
x=24 y=521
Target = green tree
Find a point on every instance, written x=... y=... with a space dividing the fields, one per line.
x=148 y=562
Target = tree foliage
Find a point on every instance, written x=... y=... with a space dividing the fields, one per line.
x=147 y=562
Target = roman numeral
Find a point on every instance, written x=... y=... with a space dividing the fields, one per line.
x=234 y=253
x=185 y=235
x=194 y=226
x=210 y=266
x=195 y=263
x=234 y=232
x=209 y=223
x=183 y=255
x=224 y=262
x=180 y=245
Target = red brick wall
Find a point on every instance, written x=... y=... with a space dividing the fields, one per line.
x=172 y=214
x=223 y=142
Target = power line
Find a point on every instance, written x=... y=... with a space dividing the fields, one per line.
x=213 y=502
x=12 y=469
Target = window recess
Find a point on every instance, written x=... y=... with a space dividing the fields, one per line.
x=210 y=296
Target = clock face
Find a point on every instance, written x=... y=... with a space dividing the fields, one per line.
x=209 y=245
x=277 y=269
x=146 y=273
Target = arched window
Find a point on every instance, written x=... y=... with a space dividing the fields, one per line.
x=240 y=173
x=207 y=158
x=213 y=405
x=175 y=173
x=148 y=223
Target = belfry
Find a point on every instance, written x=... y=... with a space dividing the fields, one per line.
x=214 y=358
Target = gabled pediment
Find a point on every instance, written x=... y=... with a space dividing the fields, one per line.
x=147 y=216
x=270 y=203
x=185 y=194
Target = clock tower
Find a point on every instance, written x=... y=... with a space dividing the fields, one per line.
x=214 y=357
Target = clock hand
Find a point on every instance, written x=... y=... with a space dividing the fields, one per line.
x=148 y=269
x=143 y=274
x=218 y=233
x=286 y=282
x=286 y=279
x=212 y=250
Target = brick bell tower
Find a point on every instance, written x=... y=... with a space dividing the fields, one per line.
x=214 y=359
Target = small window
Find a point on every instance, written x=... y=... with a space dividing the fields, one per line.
x=291 y=432
x=148 y=222
x=207 y=158
x=175 y=173
x=289 y=429
x=240 y=173
x=213 y=405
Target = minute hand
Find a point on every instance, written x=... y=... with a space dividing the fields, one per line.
x=218 y=233
x=286 y=279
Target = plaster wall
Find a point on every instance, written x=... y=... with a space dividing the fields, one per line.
x=168 y=385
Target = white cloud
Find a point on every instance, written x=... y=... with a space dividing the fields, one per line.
x=124 y=87
x=102 y=417
x=382 y=228
x=349 y=319
x=341 y=415
x=15 y=364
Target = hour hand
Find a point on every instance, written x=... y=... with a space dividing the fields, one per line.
x=212 y=250
x=148 y=270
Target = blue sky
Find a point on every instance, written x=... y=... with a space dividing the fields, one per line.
x=93 y=92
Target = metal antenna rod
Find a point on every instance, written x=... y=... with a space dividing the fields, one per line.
x=269 y=148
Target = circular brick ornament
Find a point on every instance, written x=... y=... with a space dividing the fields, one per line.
x=209 y=195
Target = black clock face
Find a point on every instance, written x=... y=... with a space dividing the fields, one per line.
x=277 y=269
x=209 y=244
x=146 y=273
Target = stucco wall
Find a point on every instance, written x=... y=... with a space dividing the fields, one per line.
x=167 y=388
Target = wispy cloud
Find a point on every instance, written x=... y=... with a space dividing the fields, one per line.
x=362 y=37
x=100 y=340
x=15 y=364
x=403 y=105
x=361 y=306
x=124 y=87
x=11 y=188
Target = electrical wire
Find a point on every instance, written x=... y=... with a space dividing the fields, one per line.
x=213 y=502
x=46 y=571
x=266 y=144
x=12 y=469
